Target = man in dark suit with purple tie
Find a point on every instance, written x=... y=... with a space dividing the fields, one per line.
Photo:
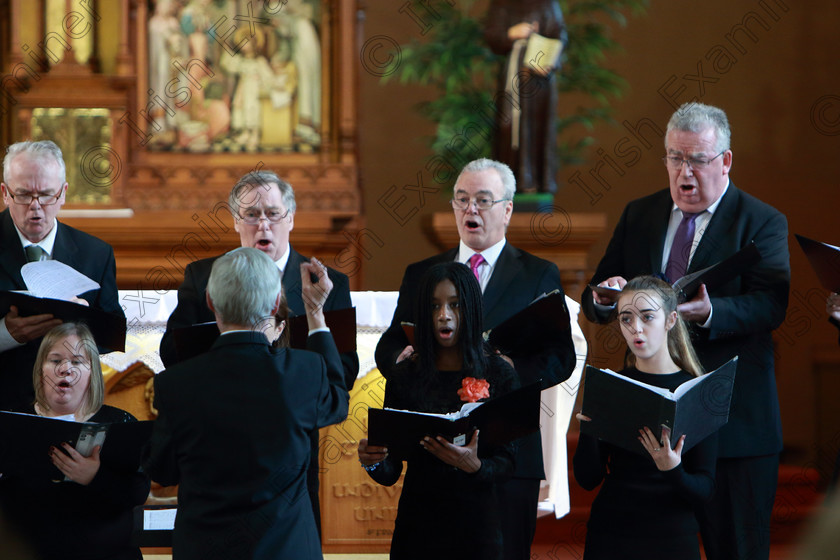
x=700 y=220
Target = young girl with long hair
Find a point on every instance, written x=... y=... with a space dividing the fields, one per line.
x=448 y=506
x=645 y=508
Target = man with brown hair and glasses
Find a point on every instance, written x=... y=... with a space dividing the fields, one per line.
x=34 y=188
x=263 y=208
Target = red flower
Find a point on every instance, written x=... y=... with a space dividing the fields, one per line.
x=473 y=389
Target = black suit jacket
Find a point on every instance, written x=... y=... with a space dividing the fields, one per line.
x=744 y=312
x=518 y=279
x=192 y=306
x=233 y=431
x=89 y=255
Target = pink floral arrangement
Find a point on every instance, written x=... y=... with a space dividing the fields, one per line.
x=473 y=390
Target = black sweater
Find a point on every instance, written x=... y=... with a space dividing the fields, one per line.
x=636 y=498
x=68 y=521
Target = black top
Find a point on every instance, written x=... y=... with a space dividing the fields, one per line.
x=637 y=500
x=445 y=512
x=68 y=521
x=233 y=430
x=517 y=280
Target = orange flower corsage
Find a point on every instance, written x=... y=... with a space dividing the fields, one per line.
x=473 y=390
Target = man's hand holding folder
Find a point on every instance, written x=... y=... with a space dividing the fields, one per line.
x=33 y=327
x=692 y=289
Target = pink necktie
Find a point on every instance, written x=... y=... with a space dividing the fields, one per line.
x=475 y=261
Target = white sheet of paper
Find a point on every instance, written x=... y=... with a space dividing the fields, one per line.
x=159 y=519
x=466 y=408
x=56 y=280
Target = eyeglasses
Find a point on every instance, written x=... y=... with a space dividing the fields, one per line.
x=27 y=198
x=482 y=202
x=253 y=216
x=674 y=162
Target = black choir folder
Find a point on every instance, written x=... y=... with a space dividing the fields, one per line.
x=824 y=259
x=25 y=440
x=528 y=330
x=619 y=407
x=500 y=420
x=532 y=328
x=198 y=339
x=713 y=276
x=108 y=329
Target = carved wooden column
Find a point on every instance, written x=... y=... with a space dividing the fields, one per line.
x=125 y=60
x=14 y=47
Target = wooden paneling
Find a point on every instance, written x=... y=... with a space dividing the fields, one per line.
x=153 y=248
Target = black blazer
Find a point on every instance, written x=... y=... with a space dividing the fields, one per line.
x=192 y=306
x=518 y=278
x=89 y=255
x=744 y=312
x=233 y=431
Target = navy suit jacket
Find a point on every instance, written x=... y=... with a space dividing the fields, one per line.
x=233 y=431
x=518 y=279
x=89 y=255
x=745 y=311
x=192 y=306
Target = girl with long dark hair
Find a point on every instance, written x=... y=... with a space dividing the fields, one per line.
x=448 y=506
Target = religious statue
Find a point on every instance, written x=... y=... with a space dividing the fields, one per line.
x=526 y=100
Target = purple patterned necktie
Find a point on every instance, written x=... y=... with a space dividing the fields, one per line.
x=681 y=248
x=475 y=261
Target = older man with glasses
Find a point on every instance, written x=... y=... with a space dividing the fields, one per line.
x=510 y=279
x=701 y=219
x=34 y=188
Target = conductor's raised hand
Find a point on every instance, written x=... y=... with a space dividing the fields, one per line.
x=661 y=452
x=371 y=454
x=315 y=288
x=24 y=329
x=463 y=458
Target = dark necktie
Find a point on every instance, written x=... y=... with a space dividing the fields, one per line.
x=35 y=253
x=681 y=248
